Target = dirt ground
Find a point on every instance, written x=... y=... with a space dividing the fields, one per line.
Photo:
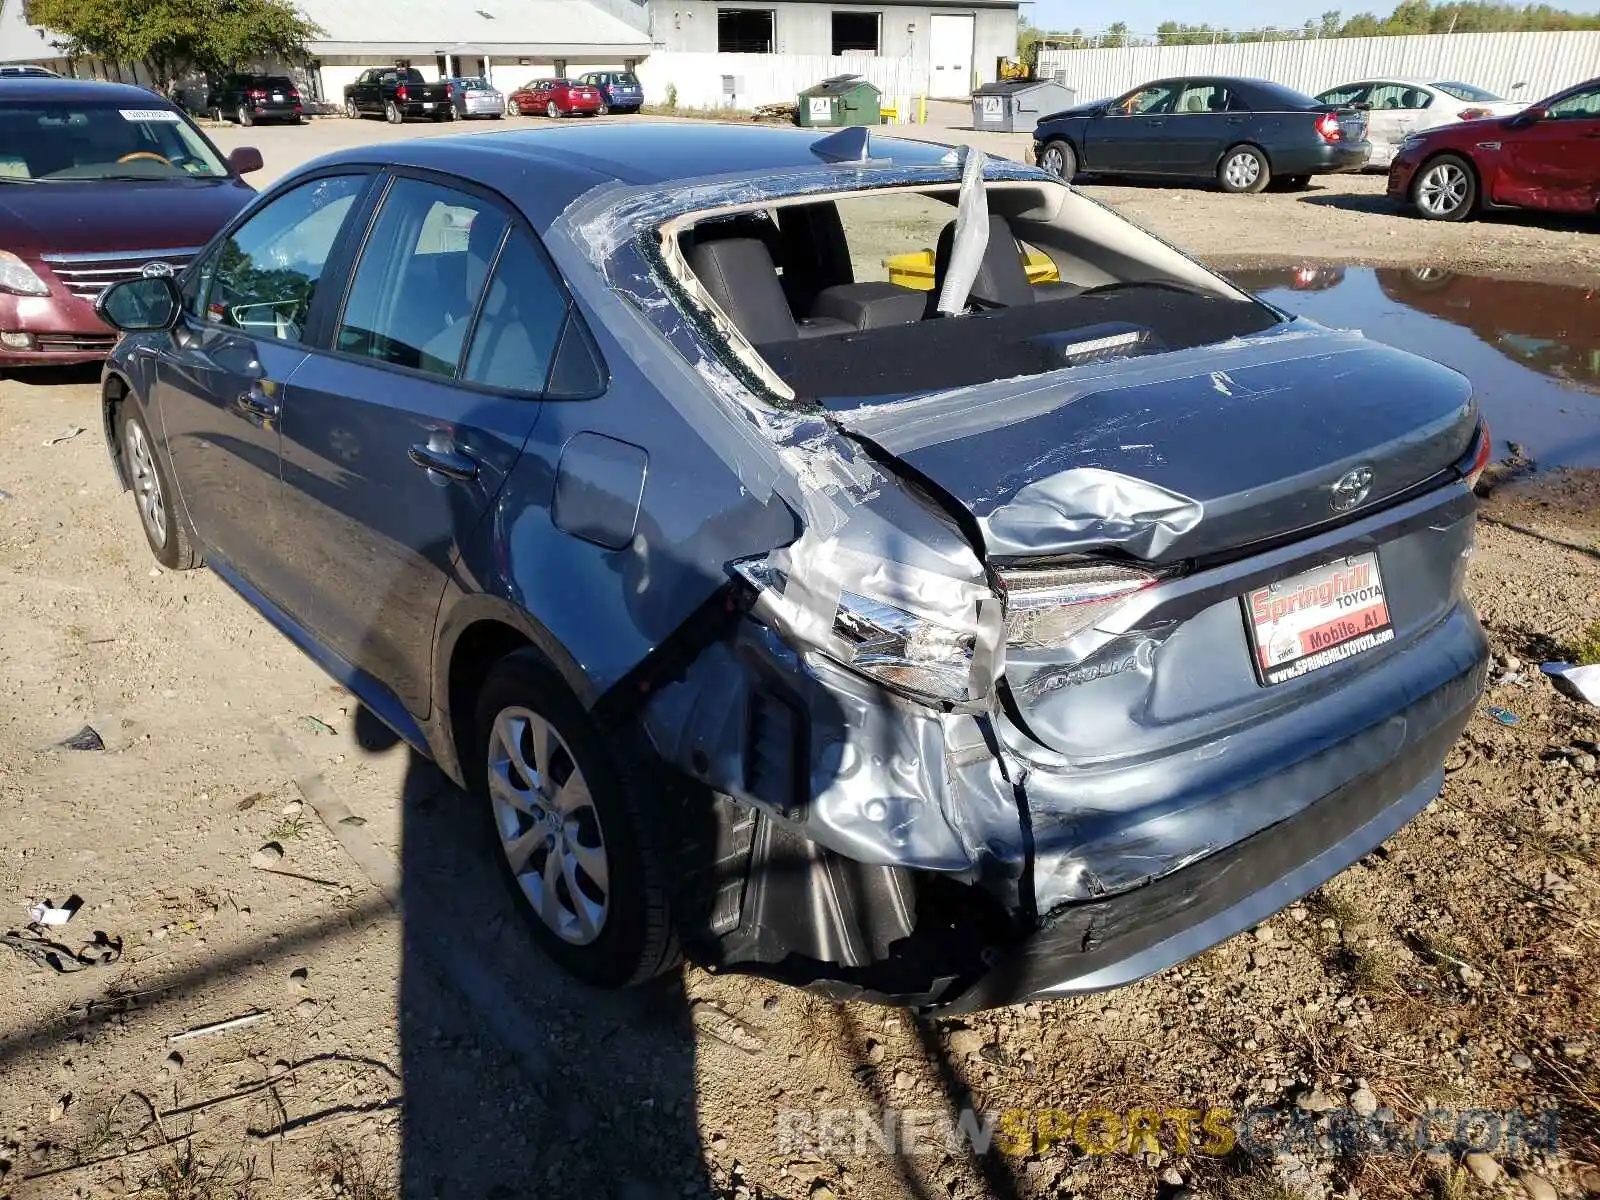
x=247 y=844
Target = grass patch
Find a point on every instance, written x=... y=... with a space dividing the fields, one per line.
x=1323 y=904
x=1584 y=649
x=290 y=829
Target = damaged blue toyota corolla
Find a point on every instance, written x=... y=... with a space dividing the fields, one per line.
x=869 y=566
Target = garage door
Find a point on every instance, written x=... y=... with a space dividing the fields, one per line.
x=950 y=55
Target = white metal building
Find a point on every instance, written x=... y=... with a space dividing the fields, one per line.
x=958 y=45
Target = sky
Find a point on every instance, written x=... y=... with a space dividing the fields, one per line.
x=1142 y=16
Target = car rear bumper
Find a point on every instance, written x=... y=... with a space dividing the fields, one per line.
x=1329 y=158
x=1105 y=944
x=484 y=108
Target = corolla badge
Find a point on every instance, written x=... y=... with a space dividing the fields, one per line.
x=1352 y=489
x=156 y=270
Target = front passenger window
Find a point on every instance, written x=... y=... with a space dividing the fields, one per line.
x=263 y=278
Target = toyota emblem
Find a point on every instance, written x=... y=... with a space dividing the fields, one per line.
x=1352 y=489
x=156 y=270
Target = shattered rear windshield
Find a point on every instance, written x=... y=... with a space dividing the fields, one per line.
x=844 y=298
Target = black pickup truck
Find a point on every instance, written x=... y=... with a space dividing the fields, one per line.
x=395 y=93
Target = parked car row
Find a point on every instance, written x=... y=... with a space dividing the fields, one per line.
x=595 y=94
x=1451 y=150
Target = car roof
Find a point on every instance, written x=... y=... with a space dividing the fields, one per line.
x=572 y=159
x=67 y=91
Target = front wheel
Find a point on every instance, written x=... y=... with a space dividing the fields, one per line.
x=1244 y=169
x=1060 y=159
x=351 y=111
x=153 y=492
x=392 y=113
x=582 y=854
x=1445 y=189
x=550 y=110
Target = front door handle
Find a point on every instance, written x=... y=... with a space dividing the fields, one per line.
x=257 y=403
x=444 y=459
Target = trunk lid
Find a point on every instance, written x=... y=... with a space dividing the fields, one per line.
x=1249 y=457
x=1186 y=455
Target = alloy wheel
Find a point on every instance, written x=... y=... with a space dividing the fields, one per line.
x=1443 y=189
x=547 y=824
x=550 y=109
x=350 y=110
x=146 y=484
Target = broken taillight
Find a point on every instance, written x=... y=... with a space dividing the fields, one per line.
x=1480 y=457
x=1328 y=127
x=1047 y=607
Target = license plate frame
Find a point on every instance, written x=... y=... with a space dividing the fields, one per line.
x=1317 y=618
x=427 y=104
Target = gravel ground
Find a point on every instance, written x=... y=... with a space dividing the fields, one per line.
x=255 y=846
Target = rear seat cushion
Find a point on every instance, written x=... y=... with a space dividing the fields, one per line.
x=870 y=305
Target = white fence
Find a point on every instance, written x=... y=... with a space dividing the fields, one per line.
x=746 y=80
x=1542 y=63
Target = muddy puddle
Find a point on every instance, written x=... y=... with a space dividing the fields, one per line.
x=1532 y=350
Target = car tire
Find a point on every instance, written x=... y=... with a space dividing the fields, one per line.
x=153 y=493
x=351 y=111
x=603 y=109
x=1445 y=189
x=584 y=857
x=216 y=114
x=1244 y=171
x=246 y=117
x=392 y=113
x=550 y=110
x=1060 y=159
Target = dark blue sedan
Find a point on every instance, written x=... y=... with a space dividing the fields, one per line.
x=1017 y=627
x=1246 y=134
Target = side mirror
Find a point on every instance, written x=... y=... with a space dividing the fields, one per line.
x=1529 y=116
x=244 y=160
x=140 y=305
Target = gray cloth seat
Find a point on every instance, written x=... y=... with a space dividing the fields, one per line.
x=870 y=305
x=738 y=273
x=1002 y=280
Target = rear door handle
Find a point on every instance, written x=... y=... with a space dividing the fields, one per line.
x=445 y=460
x=257 y=403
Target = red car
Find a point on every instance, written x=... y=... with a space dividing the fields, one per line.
x=98 y=182
x=556 y=98
x=1547 y=157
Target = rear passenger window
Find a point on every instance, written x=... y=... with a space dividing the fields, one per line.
x=421 y=273
x=520 y=323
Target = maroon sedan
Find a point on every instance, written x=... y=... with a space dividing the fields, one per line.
x=1547 y=157
x=556 y=98
x=98 y=182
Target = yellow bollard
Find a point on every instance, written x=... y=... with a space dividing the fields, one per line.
x=922 y=110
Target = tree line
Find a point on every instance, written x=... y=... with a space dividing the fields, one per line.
x=1410 y=17
x=174 y=38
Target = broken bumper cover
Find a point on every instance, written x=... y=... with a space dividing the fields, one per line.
x=1105 y=944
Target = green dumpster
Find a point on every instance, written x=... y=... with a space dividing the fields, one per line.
x=842 y=100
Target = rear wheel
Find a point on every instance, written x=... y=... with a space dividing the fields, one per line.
x=604 y=108
x=1244 y=169
x=246 y=117
x=392 y=113
x=1445 y=189
x=1060 y=159
x=582 y=855
x=550 y=109
x=153 y=492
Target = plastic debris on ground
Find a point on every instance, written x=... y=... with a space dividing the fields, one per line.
x=45 y=913
x=66 y=435
x=317 y=725
x=1504 y=715
x=85 y=739
x=1580 y=683
x=239 y=1022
